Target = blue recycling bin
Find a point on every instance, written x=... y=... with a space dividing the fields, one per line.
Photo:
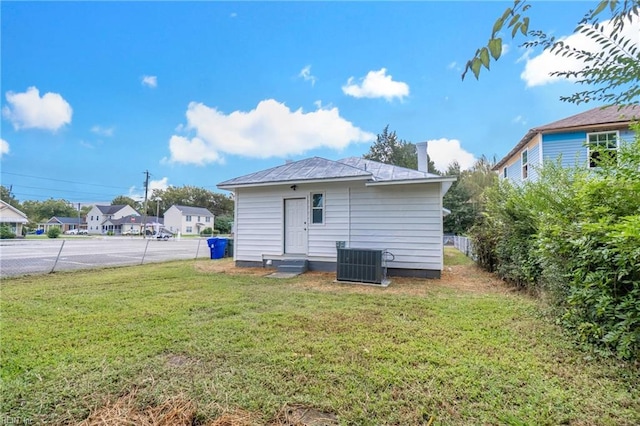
x=217 y=247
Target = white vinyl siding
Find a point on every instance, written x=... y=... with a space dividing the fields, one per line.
x=404 y=220
x=259 y=223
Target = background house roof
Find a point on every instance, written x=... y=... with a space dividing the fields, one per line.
x=135 y=220
x=193 y=211
x=317 y=168
x=65 y=220
x=111 y=209
x=611 y=116
x=4 y=206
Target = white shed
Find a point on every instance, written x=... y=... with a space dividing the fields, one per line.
x=303 y=209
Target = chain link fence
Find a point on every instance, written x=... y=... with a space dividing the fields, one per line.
x=26 y=256
x=465 y=245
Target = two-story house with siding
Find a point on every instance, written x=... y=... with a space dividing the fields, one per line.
x=188 y=220
x=99 y=216
x=571 y=139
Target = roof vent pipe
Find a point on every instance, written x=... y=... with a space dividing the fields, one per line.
x=423 y=158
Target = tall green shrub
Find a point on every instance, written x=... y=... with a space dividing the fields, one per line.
x=6 y=233
x=574 y=233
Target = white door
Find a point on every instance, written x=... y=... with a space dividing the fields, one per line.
x=295 y=226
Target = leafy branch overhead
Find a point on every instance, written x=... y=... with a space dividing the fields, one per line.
x=612 y=72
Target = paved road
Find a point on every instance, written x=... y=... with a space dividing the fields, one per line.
x=19 y=257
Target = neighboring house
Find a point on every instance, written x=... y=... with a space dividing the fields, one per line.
x=99 y=215
x=188 y=220
x=572 y=139
x=13 y=218
x=304 y=209
x=133 y=225
x=63 y=223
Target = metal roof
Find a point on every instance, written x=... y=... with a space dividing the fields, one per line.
x=317 y=168
x=611 y=116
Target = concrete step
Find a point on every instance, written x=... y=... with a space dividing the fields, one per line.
x=293 y=266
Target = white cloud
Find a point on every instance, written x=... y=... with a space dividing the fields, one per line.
x=306 y=75
x=28 y=110
x=538 y=68
x=138 y=193
x=376 y=84
x=444 y=151
x=150 y=81
x=4 y=147
x=161 y=184
x=102 y=131
x=519 y=120
x=270 y=130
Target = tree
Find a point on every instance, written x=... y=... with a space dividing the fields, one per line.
x=122 y=200
x=39 y=211
x=613 y=71
x=388 y=149
x=7 y=197
x=465 y=198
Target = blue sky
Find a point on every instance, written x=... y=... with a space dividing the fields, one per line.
x=95 y=94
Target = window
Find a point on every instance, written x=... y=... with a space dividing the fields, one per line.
x=525 y=164
x=504 y=173
x=207 y=219
x=188 y=218
x=91 y=218
x=189 y=229
x=602 y=147
x=199 y=219
x=317 y=208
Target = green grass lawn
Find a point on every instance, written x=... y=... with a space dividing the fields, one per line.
x=413 y=353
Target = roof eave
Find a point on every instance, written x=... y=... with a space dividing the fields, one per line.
x=292 y=182
x=413 y=181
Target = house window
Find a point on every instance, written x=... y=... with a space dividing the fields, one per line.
x=317 y=208
x=198 y=218
x=207 y=219
x=602 y=147
x=189 y=229
x=525 y=164
x=504 y=173
x=188 y=218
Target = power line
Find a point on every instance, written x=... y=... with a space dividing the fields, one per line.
x=61 y=180
x=58 y=190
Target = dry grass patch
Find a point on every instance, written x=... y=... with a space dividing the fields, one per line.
x=126 y=410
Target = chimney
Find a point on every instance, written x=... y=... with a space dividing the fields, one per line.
x=423 y=158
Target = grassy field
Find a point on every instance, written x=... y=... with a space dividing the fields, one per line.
x=216 y=341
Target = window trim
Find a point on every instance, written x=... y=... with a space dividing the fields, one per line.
x=524 y=165
x=588 y=143
x=504 y=172
x=321 y=208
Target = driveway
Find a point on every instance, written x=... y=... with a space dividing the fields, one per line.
x=19 y=257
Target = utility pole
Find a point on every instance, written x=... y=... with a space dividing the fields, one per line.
x=146 y=193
